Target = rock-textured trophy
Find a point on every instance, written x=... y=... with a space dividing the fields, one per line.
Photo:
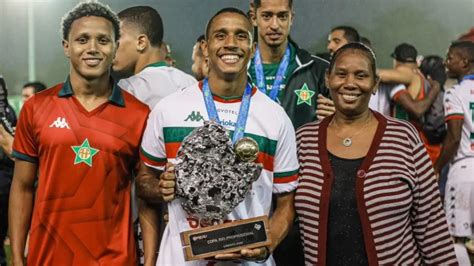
x=213 y=176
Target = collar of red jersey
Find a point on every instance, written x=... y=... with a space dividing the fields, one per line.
x=116 y=97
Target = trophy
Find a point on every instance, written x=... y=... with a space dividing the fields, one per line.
x=212 y=177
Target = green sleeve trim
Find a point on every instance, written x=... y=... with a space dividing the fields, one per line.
x=24 y=157
x=448 y=115
x=285 y=174
x=153 y=158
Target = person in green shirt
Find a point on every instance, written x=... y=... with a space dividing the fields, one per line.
x=286 y=73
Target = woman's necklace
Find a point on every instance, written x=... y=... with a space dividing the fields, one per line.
x=347 y=141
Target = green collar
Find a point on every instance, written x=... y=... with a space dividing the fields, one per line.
x=116 y=97
x=157 y=64
x=228 y=98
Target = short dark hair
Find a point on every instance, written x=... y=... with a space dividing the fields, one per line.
x=87 y=9
x=258 y=3
x=405 y=53
x=201 y=38
x=466 y=48
x=38 y=86
x=226 y=10
x=433 y=66
x=148 y=21
x=358 y=47
x=350 y=33
x=198 y=41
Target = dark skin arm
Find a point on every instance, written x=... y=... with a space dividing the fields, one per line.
x=450 y=144
x=20 y=207
x=150 y=184
x=395 y=75
x=148 y=217
x=418 y=108
x=282 y=219
x=153 y=188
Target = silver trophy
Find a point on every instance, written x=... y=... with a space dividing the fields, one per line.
x=212 y=175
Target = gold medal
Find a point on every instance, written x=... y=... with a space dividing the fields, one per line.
x=246 y=149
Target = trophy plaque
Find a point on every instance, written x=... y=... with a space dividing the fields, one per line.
x=229 y=237
x=212 y=177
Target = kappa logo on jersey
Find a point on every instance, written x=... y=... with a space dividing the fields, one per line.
x=304 y=95
x=194 y=116
x=60 y=122
x=84 y=153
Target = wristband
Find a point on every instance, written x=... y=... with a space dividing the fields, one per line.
x=266 y=256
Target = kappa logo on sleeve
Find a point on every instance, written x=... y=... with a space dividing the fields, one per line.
x=60 y=122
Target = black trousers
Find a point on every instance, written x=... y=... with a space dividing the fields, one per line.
x=290 y=251
x=4 y=194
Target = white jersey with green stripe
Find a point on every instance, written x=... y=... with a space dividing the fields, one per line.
x=178 y=114
x=459 y=104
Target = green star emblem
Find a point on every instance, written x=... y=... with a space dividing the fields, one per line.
x=84 y=153
x=304 y=95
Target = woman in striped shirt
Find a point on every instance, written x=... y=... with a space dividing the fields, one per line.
x=367 y=191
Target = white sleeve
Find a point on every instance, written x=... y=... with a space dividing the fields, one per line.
x=190 y=80
x=126 y=85
x=452 y=105
x=285 y=170
x=152 y=151
x=397 y=89
x=183 y=80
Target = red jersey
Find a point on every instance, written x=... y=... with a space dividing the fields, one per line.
x=82 y=213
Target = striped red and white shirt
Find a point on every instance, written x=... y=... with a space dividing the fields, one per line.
x=396 y=191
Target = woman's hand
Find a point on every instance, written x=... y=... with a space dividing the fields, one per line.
x=325 y=107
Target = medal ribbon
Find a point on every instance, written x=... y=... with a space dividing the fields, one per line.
x=243 y=111
x=471 y=77
x=257 y=61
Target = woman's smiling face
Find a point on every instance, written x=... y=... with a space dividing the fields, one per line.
x=351 y=81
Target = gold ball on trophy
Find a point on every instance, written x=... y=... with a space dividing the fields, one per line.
x=246 y=149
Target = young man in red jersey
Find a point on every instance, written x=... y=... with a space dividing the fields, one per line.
x=80 y=139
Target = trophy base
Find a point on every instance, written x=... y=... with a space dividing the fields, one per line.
x=226 y=238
